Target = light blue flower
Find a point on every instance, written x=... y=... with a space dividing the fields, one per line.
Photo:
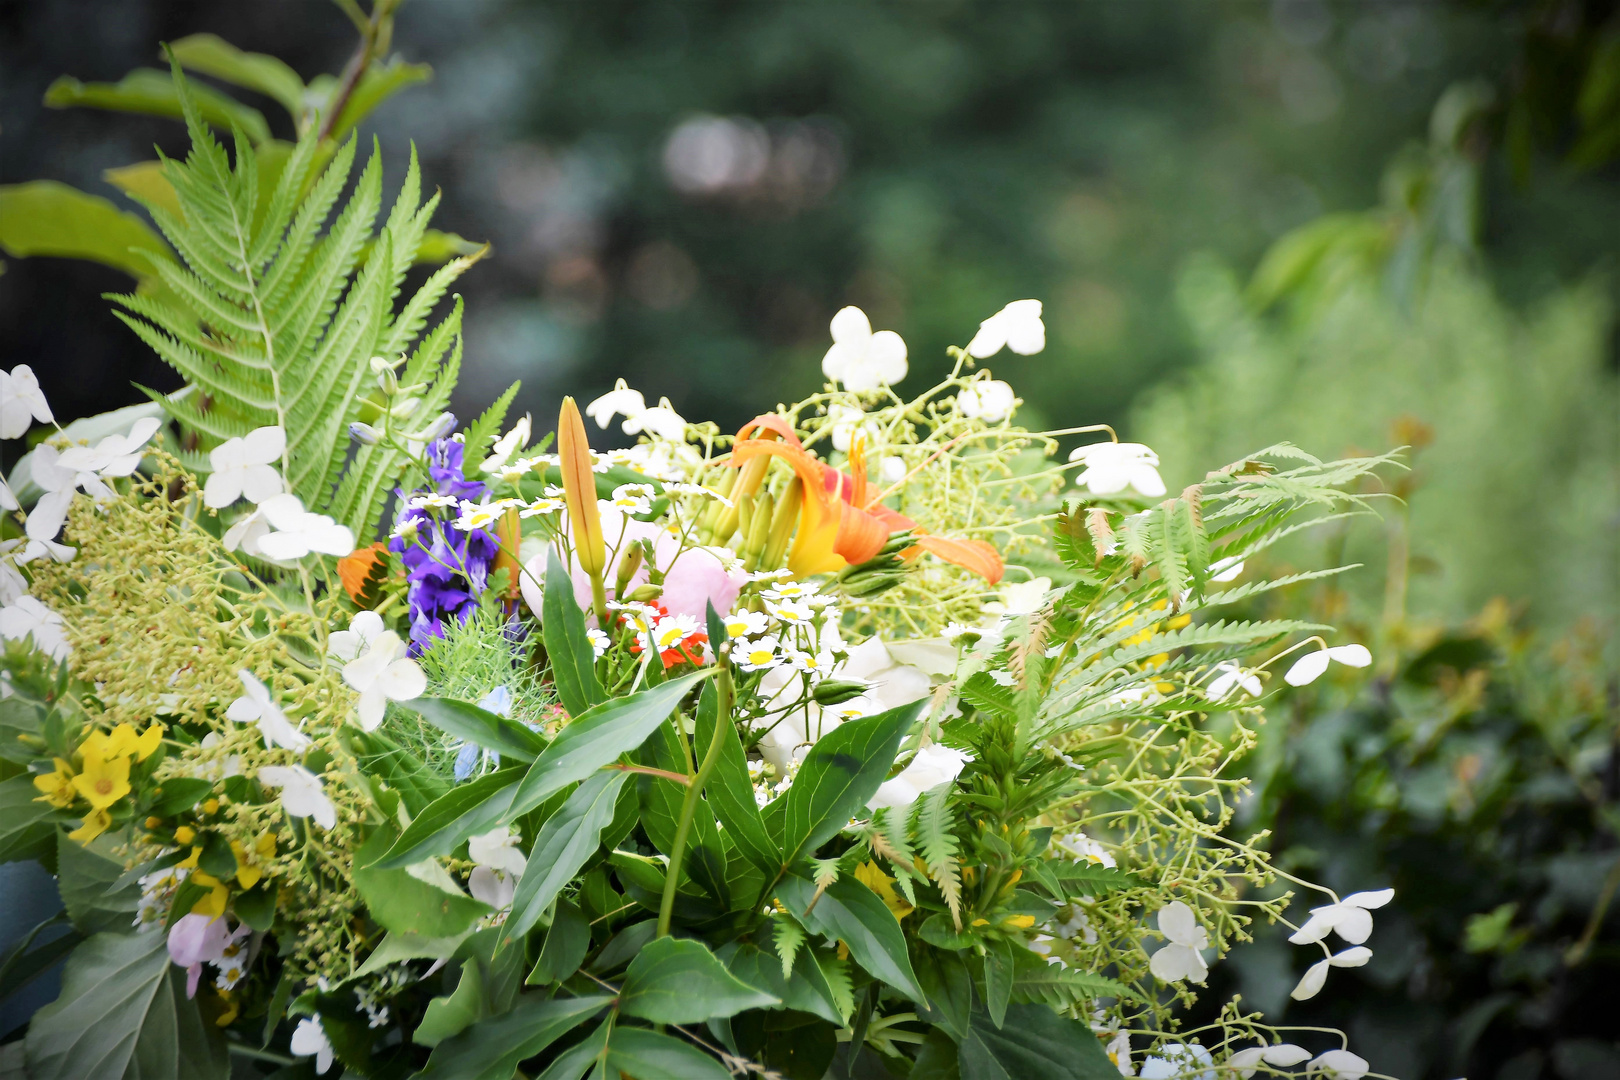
x=466 y=761
x=497 y=701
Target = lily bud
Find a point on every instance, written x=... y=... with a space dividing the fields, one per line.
x=579 y=488
x=758 y=532
x=782 y=524
x=628 y=565
x=365 y=433
x=643 y=594
x=509 y=534
x=387 y=381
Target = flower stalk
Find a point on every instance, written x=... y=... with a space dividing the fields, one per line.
x=725 y=694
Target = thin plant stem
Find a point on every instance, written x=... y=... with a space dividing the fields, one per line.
x=724 y=693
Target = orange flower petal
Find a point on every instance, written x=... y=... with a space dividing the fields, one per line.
x=354 y=569
x=975 y=556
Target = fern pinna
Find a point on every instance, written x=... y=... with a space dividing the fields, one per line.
x=275 y=322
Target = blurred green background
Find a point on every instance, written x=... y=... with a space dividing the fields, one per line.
x=1348 y=225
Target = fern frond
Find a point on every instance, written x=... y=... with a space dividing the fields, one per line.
x=937 y=839
x=481 y=432
x=787 y=935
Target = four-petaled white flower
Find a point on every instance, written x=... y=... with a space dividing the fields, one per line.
x=383 y=674
x=1340 y=1064
x=930 y=767
x=860 y=359
x=1308 y=668
x=620 y=401
x=309 y=1039
x=661 y=421
x=61 y=472
x=507 y=445
x=1084 y=847
x=1281 y=1056
x=348 y=644
x=498 y=850
x=847 y=422
x=1112 y=467
x=1182 y=958
x=29 y=617
x=1350 y=918
x=1311 y=983
x=1017 y=326
x=246 y=466
x=21 y=402
x=258 y=707
x=1232 y=676
x=990 y=400
x=302 y=793
x=298 y=532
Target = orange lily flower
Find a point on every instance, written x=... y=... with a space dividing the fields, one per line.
x=837 y=527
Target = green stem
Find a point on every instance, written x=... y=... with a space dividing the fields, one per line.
x=599 y=600
x=724 y=693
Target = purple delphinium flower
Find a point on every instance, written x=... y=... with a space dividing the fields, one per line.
x=445 y=568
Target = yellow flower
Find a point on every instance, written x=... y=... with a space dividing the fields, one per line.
x=190 y=861
x=122 y=741
x=96 y=746
x=265 y=845
x=211 y=806
x=225 y=1018
x=872 y=876
x=57 y=786
x=212 y=905
x=104 y=781
x=95 y=823
x=149 y=741
x=247 y=875
x=185 y=834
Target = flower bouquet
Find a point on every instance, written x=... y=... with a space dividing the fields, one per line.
x=875 y=739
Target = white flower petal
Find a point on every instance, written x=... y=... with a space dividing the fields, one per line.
x=1349 y=958
x=1374 y=899
x=1341 y=1064
x=1311 y=983
x=1307 y=669
x=1351 y=655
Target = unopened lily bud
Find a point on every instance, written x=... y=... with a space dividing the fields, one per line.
x=866 y=585
x=643 y=594
x=444 y=425
x=380 y=364
x=509 y=535
x=837 y=691
x=759 y=530
x=579 y=489
x=405 y=408
x=365 y=433
x=783 y=520
x=387 y=381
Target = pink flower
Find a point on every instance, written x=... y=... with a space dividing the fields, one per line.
x=197 y=939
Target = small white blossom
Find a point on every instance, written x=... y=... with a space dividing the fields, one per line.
x=258 y=707
x=847 y=422
x=661 y=421
x=892 y=470
x=1017 y=326
x=28 y=617
x=302 y=793
x=21 y=402
x=433 y=501
x=246 y=466
x=1182 y=956
x=298 y=532
x=507 y=445
x=484 y=515
x=961 y=634
x=1281 y=1055
x=1112 y=467
x=1350 y=918
x=620 y=401
x=1178 y=1060
x=1084 y=847
x=745 y=623
x=860 y=359
x=757 y=655
x=309 y=1039
x=347 y=644
x=990 y=400
x=1232 y=676
x=1308 y=668
x=1311 y=983
x=498 y=850
x=1340 y=1064
x=599 y=641
x=383 y=673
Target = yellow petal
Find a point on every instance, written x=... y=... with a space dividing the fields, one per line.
x=149 y=741
x=95 y=823
x=122 y=741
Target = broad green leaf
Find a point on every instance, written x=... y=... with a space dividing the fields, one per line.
x=566 y=840
x=505 y=736
x=573 y=661
x=855 y=915
x=730 y=793
x=382 y=758
x=491 y=1049
x=998 y=979
x=805 y=990
x=403 y=903
x=255 y=907
x=43 y=217
x=396 y=947
x=647 y=1055
x=679 y=981
x=568 y=939
x=380 y=82
x=572 y=1063
x=22 y=963
x=465 y=810
x=597 y=738
x=178 y=794
x=842 y=771
x=452 y=1013
x=1034 y=1041
x=271 y=77
x=86 y=881
x=26 y=831
x=624 y=947
x=147 y=91
x=123 y=1013
x=947 y=990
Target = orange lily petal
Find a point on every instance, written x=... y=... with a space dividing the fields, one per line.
x=860 y=535
x=579 y=487
x=975 y=556
x=771 y=422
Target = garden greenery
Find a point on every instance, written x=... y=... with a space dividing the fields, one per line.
x=876 y=736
